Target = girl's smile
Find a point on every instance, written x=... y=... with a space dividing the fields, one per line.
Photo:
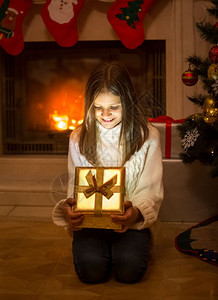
x=108 y=109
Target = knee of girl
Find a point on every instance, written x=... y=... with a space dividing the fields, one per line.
x=91 y=269
x=128 y=275
x=91 y=274
x=130 y=270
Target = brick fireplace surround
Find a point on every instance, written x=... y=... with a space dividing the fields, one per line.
x=31 y=185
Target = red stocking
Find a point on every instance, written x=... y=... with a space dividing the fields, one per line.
x=126 y=17
x=12 y=13
x=60 y=17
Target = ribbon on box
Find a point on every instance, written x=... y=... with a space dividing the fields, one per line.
x=97 y=187
x=104 y=189
x=168 y=121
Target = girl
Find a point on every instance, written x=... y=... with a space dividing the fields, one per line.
x=114 y=133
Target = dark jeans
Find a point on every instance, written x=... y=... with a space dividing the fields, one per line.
x=97 y=251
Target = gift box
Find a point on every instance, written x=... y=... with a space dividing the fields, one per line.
x=169 y=136
x=99 y=193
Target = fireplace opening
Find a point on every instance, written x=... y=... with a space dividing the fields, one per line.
x=42 y=89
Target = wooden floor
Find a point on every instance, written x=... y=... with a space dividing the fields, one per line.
x=36 y=264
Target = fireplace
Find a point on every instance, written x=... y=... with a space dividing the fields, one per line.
x=42 y=89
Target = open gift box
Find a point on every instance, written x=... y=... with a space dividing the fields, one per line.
x=99 y=192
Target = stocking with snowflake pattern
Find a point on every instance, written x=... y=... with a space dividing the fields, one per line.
x=12 y=13
x=126 y=17
x=60 y=18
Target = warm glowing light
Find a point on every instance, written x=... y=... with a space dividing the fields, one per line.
x=61 y=122
x=62 y=125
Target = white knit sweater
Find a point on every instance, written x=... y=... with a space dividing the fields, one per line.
x=144 y=171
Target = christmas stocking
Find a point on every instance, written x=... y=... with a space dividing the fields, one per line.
x=126 y=17
x=60 y=18
x=12 y=13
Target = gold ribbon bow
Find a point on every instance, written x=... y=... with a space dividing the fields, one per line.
x=104 y=189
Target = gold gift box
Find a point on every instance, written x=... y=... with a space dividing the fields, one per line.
x=99 y=192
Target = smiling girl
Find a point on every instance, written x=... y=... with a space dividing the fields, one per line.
x=114 y=133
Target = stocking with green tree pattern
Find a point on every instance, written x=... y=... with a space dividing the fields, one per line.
x=126 y=17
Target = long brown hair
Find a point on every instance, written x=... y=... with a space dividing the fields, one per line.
x=114 y=78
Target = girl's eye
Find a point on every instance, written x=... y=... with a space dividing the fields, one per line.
x=111 y=107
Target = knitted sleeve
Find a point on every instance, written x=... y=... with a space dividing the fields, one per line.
x=148 y=195
x=73 y=159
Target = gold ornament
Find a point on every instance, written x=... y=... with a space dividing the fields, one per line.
x=210 y=115
x=209 y=103
x=210 y=111
x=212 y=71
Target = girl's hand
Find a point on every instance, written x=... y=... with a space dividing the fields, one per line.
x=74 y=219
x=131 y=216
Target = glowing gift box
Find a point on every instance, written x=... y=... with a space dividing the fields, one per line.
x=99 y=192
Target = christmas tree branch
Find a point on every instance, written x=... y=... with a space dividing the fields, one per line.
x=198 y=99
x=199 y=66
x=207 y=84
x=213 y=11
x=194 y=60
x=208 y=32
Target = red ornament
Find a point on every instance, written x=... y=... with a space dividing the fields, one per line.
x=216 y=25
x=189 y=78
x=213 y=54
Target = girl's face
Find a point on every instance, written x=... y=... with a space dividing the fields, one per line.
x=108 y=110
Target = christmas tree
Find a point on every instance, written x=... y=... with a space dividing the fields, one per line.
x=130 y=13
x=199 y=132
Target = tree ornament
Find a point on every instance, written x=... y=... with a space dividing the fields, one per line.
x=190 y=138
x=189 y=77
x=213 y=54
x=210 y=113
x=212 y=71
x=209 y=102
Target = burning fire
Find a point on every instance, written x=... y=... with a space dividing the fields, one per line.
x=63 y=103
x=63 y=122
